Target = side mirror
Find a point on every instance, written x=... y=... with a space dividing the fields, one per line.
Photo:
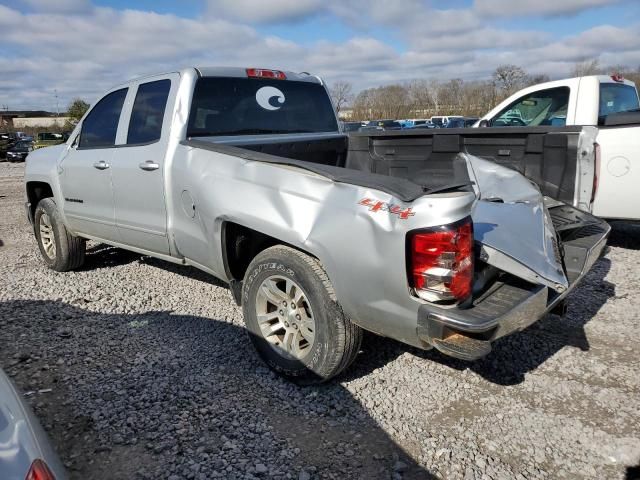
x=484 y=123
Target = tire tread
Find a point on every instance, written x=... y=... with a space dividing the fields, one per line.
x=348 y=337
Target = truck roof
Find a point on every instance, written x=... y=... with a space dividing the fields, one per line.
x=239 y=72
x=242 y=73
x=563 y=81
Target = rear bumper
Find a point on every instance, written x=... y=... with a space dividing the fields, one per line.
x=509 y=306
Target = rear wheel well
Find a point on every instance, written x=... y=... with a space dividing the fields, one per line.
x=240 y=246
x=36 y=191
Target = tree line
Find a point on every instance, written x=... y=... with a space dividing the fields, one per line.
x=423 y=98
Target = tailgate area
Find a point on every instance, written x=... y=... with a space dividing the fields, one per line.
x=581 y=238
x=512 y=304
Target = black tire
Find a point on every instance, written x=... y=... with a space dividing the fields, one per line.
x=337 y=339
x=69 y=249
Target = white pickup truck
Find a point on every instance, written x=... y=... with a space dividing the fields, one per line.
x=608 y=102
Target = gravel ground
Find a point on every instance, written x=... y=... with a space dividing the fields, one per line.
x=152 y=376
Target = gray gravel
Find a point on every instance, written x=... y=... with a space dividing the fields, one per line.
x=152 y=376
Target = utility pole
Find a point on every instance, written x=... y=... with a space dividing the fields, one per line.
x=55 y=93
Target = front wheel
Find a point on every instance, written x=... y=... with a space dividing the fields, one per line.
x=293 y=319
x=60 y=250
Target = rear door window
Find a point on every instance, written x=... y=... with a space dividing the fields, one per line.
x=101 y=125
x=147 y=114
x=253 y=106
x=544 y=107
x=616 y=98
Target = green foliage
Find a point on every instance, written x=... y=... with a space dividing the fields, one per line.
x=77 y=108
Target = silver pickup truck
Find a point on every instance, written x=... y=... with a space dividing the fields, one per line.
x=243 y=173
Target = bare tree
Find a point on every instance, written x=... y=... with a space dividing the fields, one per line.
x=509 y=78
x=587 y=67
x=536 y=78
x=341 y=93
x=423 y=98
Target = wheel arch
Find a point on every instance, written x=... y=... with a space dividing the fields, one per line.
x=36 y=191
x=240 y=245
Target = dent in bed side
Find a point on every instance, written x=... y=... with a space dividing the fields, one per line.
x=313 y=214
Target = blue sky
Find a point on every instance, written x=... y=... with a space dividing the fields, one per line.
x=81 y=47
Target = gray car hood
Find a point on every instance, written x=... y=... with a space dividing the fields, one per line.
x=512 y=224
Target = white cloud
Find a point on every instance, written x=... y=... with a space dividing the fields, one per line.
x=260 y=11
x=84 y=54
x=59 y=6
x=543 y=8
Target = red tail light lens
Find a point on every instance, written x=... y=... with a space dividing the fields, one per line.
x=596 y=171
x=39 y=471
x=262 y=73
x=441 y=262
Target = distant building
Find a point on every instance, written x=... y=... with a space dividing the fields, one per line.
x=17 y=119
x=345 y=114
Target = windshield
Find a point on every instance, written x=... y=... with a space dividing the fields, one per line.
x=252 y=106
x=439 y=121
x=616 y=98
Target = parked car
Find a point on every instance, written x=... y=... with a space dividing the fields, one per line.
x=442 y=121
x=387 y=124
x=7 y=139
x=351 y=126
x=370 y=128
x=19 y=151
x=414 y=122
x=25 y=451
x=470 y=121
x=320 y=235
x=609 y=102
x=423 y=125
x=461 y=122
x=47 y=139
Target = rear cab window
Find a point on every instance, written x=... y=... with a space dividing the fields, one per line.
x=226 y=106
x=147 y=114
x=616 y=98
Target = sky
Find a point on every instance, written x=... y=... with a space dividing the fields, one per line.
x=52 y=51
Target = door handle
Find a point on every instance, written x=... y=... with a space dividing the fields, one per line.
x=149 y=165
x=101 y=165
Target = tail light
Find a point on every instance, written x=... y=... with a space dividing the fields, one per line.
x=39 y=471
x=616 y=77
x=441 y=262
x=262 y=73
x=596 y=171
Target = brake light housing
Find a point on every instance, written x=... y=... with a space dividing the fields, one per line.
x=265 y=73
x=39 y=471
x=440 y=262
x=616 y=77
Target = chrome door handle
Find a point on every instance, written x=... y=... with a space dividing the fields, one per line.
x=101 y=165
x=149 y=165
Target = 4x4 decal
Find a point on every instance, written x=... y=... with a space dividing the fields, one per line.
x=378 y=206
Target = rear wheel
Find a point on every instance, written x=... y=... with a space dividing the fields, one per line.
x=60 y=250
x=293 y=318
